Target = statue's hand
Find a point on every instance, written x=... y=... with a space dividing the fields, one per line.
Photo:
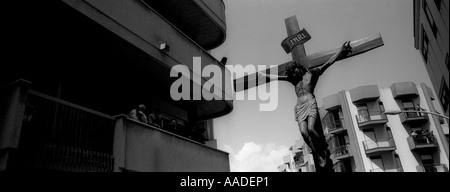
x=346 y=47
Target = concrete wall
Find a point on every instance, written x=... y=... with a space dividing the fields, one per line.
x=12 y=110
x=215 y=9
x=438 y=46
x=139 y=147
x=441 y=156
x=146 y=29
x=400 y=132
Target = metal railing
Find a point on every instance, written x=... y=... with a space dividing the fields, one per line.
x=415 y=114
x=331 y=123
x=433 y=167
x=424 y=139
x=379 y=144
x=341 y=150
x=398 y=169
x=370 y=116
x=58 y=135
x=340 y=167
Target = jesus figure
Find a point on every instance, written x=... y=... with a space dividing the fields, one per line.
x=306 y=110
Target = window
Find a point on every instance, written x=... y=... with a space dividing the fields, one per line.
x=363 y=113
x=428 y=163
x=408 y=105
x=443 y=95
x=381 y=106
x=336 y=117
x=430 y=19
x=425 y=45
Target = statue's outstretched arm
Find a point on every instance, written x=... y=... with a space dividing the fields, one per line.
x=272 y=77
x=345 y=49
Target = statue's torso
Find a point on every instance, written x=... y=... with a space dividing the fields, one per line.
x=304 y=88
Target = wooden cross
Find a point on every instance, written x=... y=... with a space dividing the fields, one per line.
x=315 y=60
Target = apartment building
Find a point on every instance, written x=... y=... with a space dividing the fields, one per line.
x=76 y=68
x=299 y=159
x=431 y=38
x=363 y=138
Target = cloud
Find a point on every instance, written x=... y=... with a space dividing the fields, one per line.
x=253 y=157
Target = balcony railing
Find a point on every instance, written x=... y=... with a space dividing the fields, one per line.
x=432 y=168
x=340 y=167
x=144 y=148
x=372 y=118
x=424 y=139
x=413 y=117
x=341 y=152
x=422 y=142
x=58 y=135
x=332 y=125
x=375 y=147
x=398 y=169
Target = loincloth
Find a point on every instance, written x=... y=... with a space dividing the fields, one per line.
x=305 y=110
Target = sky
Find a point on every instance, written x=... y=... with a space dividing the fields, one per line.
x=256 y=140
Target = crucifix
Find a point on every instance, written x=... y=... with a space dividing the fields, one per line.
x=303 y=72
x=316 y=59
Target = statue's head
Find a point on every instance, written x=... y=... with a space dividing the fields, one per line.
x=295 y=72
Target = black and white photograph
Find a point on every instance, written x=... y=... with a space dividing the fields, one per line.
x=211 y=89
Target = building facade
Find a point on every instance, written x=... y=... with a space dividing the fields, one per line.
x=74 y=66
x=362 y=138
x=299 y=159
x=431 y=38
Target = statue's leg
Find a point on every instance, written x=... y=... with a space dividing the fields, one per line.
x=315 y=139
x=305 y=134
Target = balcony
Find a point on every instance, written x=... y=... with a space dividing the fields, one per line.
x=398 y=169
x=60 y=136
x=413 y=118
x=340 y=167
x=432 y=168
x=341 y=152
x=367 y=120
x=202 y=20
x=378 y=147
x=332 y=125
x=404 y=89
x=421 y=143
x=144 y=148
x=365 y=93
x=47 y=133
x=131 y=32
